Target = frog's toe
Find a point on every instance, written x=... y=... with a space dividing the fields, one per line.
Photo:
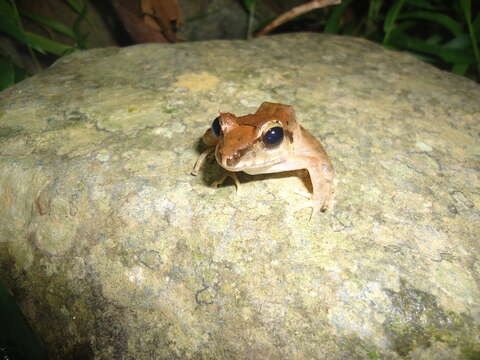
x=302 y=193
x=315 y=205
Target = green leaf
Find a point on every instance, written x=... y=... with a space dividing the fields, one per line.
x=434 y=39
x=446 y=21
x=466 y=7
x=43 y=44
x=448 y=55
x=333 y=22
x=460 y=42
x=11 y=26
x=75 y=5
x=7 y=73
x=53 y=24
x=392 y=15
x=460 y=69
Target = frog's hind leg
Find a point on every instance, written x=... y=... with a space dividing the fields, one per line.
x=323 y=185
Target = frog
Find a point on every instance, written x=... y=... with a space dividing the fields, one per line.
x=270 y=141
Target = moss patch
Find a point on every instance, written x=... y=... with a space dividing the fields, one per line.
x=418 y=320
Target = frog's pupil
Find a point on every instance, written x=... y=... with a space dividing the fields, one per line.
x=216 y=126
x=273 y=136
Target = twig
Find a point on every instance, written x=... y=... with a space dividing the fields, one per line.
x=296 y=11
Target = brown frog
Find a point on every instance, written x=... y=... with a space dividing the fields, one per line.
x=270 y=141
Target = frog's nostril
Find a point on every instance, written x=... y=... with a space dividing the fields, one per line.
x=232 y=159
x=232 y=162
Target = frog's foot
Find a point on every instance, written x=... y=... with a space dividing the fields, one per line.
x=228 y=174
x=329 y=202
x=318 y=204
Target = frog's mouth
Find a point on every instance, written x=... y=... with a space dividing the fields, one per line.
x=238 y=162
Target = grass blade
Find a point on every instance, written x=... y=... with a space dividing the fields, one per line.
x=466 y=7
x=446 y=21
x=333 y=22
x=53 y=24
x=10 y=27
x=43 y=44
x=392 y=15
x=9 y=22
x=75 y=5
x=461 y=42
x=451 y=56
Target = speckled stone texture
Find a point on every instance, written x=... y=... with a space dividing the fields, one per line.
x=115 y=251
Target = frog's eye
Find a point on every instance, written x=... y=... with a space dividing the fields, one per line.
x=273 y=136
x=216 y=128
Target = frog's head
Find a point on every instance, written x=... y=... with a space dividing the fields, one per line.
x=254 y=141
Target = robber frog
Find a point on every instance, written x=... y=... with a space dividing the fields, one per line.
x=270 y=141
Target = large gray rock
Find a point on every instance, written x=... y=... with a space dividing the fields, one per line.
x=114 y=250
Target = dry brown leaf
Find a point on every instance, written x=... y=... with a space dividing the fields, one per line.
x=151 y=21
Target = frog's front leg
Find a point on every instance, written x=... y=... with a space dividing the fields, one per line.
x=211 y=140
x=201 y=160
x=227 y=174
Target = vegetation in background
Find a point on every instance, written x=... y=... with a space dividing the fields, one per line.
x=250 y=6
x=11 y=24
x=444 y=33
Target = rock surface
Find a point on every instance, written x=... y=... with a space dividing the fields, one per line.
x=114 y=250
